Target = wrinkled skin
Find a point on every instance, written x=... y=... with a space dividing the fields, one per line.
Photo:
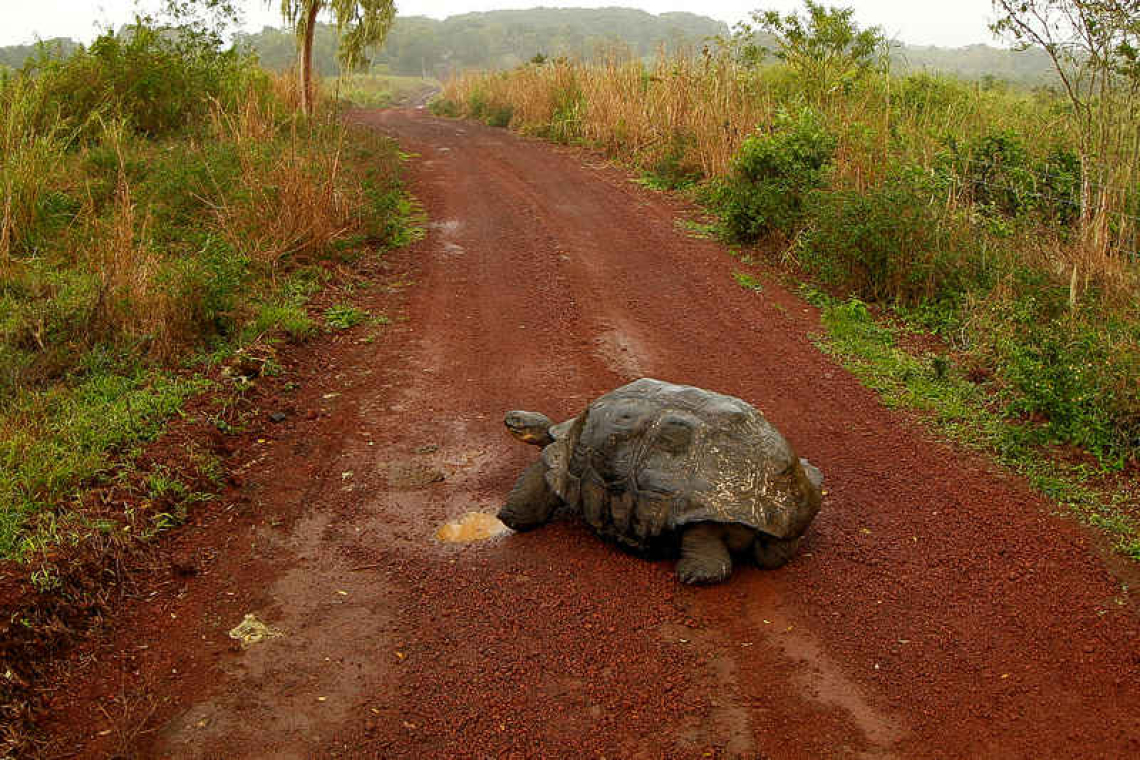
x=653 y=464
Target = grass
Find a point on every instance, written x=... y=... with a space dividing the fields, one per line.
x=963 y=412
x=748 y=282
x=380 y=90
x=163 y=208
x=55 y=440
x=344 y=316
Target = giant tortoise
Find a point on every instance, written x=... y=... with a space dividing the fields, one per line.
x=654 y=466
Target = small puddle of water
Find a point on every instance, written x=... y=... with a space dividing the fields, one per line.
x=473 y=526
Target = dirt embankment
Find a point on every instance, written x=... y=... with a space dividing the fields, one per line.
x=937 y=609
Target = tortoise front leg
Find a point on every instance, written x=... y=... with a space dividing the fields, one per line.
x=704 y=555
x=531 y=502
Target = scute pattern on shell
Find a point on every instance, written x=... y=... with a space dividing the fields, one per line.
x=651 y=457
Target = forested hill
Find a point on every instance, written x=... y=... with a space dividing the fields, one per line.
x=1031 y=67
x=15 y=55
x=503 y=39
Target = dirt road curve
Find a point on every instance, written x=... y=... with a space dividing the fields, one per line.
x=937 y=609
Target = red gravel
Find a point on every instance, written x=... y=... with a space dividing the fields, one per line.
x=938 y=608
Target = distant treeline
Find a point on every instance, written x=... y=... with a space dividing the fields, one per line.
x=1030 y=68
x=501 y=39
x=504 y=39
x=14 y=57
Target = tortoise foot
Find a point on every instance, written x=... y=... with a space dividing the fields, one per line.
x=704 y=555
x=531 y=502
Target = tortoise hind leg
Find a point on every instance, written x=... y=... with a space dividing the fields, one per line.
x=531 y=502
x=704 y=555
x=771 y=553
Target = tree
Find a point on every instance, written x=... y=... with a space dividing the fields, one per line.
x=359 y=23
x=825 y=46
x=1095 y=48
x=207 y=17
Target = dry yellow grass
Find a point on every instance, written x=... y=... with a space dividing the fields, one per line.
x=705 y=107
x=295 y=205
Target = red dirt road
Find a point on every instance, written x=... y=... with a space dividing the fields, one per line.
x=937 y=608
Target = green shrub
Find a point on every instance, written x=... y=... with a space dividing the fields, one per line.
x=1059 y=185
x=179 y=183
x=748 y=282
x=289 y=318
x=159 y=83
x=999 y=174
x=444 y=107
x=923 y=92
x=209 y=285
x=1065 y=374
x=895 y=243
x=477 y=106
x=500 y=116
x=771 y=177
x=1074 y=374
x=672 y=171
x=1002 y=178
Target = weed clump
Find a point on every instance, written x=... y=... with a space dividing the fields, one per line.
x=156 y=81
x=344 y=316
x=445 y=107
x=500 y=116
x=894 y=242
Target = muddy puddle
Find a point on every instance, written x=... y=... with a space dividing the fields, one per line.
x=473 y=526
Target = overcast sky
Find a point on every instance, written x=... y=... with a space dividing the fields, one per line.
x=920 y=22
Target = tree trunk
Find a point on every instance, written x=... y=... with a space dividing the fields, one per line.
x=307 y=58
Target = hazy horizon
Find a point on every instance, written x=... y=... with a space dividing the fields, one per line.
x=913 y=23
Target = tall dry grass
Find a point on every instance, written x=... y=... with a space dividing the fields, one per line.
x=132 y=244
x=705 y=107
x=295 y=202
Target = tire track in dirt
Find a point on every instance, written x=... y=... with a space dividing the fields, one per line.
x=937 y=609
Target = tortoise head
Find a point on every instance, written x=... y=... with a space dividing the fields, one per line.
x=529 y=427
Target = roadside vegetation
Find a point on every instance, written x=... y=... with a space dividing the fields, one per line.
x=164 y=209
x=1000 y=224
x=378 y=89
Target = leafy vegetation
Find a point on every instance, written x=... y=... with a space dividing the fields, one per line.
x=962 y=410
x=344 y=316
x=822 y=46
x=162 y=204
x=771 y=177
x=962 y=210
x=747 y=281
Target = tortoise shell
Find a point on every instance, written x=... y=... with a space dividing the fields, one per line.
x=651 y=457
